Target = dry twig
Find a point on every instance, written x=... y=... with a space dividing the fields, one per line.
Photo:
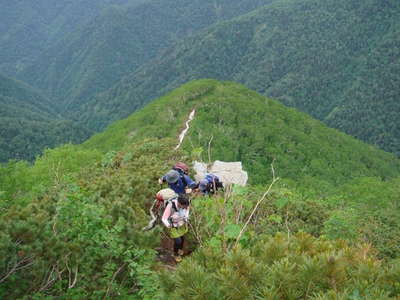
x=209 y=150
x=113 y=278
x=274 y=180
x=19 y=265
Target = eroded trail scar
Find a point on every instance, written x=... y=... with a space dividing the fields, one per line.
x=184 y=131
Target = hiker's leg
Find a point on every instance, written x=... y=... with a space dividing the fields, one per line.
x=178 y=244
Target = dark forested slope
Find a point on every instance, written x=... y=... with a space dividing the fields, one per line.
x=94 y=57
x=29 y=123
x=29 y=27
x=336 y=60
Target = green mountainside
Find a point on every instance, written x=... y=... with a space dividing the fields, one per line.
x=247 y=127
x=70 y=224
x=335 y=60
x=29 y=27
x=25 y=97
x=94 y=57
x=68 y=52
x=28 y=123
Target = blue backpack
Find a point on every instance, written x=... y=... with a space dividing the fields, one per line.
x=213 y=183
x=211 y=178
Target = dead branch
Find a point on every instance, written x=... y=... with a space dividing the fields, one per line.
x=223 y=222
x=56 y=170
x=274 y=180
x=209 y=149
x=19 y=265
x=49 y=280
x=287 y=224
x=196 y=234
x=71 y=282
x=75 y=279
x=113 y=278
x=195 y=227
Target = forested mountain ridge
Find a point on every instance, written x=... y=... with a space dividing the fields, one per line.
x=24 y=96
x=71 y=224
x=68 y=52
x=28 y=27
x=29 y=122
x=335 y=60
x=94 y=57
x=247 y=127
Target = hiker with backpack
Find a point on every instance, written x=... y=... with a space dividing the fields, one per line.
x=181 y=167
x=178 y=179
x=175 y=218
x=210 y=184
x=157 y=209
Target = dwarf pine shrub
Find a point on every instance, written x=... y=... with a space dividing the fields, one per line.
x=306 y=268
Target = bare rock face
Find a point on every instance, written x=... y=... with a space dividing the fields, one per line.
x=228 y=172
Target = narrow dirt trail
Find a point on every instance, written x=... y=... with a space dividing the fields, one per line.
x=165 y=252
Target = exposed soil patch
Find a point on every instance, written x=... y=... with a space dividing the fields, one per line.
x=166 y=253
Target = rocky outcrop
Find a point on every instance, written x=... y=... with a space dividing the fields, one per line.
x=228 y=172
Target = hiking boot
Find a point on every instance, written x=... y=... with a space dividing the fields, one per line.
x=180 y=252
x=178 y=258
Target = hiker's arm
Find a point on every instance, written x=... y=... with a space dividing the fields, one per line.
x=166 y=215
x=161 y=180
x=190 y=183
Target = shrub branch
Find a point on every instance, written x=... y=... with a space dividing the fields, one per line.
x=274 y=180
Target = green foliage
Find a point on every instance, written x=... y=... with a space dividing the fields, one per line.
x=20 y=181
x=28 y=123
x=298 y=267
x=83 y=238
x=342 y=224
x=88 y=227
x=219 y=221
x=369 y=206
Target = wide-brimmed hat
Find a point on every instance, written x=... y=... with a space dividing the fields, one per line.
x=172 y=176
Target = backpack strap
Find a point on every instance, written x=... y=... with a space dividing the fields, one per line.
x=173 y=205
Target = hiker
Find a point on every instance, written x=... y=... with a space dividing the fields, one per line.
x=163 y=196
x=181 y=167
x=210 y=184
x=178 y=180
x=175 y=218
x=157 y=209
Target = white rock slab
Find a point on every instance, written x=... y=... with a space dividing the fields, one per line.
x=228 y=172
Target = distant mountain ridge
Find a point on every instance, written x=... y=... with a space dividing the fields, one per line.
x=28 y=27
x=29 y=123
x=335 y=60
x=94 y=57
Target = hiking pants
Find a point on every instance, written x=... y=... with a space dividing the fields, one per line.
x=178 y=244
